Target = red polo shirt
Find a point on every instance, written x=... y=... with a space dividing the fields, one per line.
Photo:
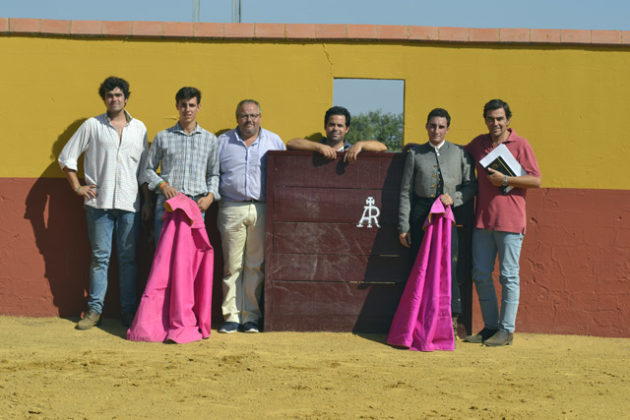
x=495 y=210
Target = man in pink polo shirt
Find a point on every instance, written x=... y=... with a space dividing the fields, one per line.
x=499 y=224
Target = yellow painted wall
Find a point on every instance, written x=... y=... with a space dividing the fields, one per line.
x=569 y=102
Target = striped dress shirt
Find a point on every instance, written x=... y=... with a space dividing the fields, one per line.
x=112 y=163
x=189 y=162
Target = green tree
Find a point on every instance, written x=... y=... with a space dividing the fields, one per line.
x=377 y=125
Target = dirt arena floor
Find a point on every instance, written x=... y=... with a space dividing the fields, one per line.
x=49 y=370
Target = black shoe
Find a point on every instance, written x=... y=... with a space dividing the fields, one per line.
x=501 y=338
x=127 y=318
x=250 y=327
x=229 y=327
x=481 y=336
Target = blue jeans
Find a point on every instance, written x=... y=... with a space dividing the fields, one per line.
x=486 y=245
x=158 y=219
x=122 y=227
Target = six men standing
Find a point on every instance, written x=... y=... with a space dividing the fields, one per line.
x=232 y=168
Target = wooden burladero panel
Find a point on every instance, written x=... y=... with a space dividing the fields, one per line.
x=333 y=259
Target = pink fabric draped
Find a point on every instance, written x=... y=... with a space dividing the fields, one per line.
x=423 y=318
x=176 y=303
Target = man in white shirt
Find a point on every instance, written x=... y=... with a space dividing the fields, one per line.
x=337 y=125
x=115 y=147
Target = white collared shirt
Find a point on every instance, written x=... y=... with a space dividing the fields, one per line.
x=111 y=163
x=438 y=147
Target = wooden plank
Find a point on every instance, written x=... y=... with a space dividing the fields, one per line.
x=335 y=238
x=330 y=307
x=304 y=169
x=338 y=268
x=324 y=205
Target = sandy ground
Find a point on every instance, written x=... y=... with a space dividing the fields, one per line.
x=49 y=370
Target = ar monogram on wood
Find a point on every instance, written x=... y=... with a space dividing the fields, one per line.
x=370 y=214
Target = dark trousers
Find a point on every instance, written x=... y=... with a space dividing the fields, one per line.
x=419 y=213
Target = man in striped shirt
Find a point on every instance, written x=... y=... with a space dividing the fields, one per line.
x=188 y=156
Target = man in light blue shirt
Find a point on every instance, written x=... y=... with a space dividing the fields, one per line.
x=241 y=221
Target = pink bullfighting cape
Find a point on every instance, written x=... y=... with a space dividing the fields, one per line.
x=423 y=318
x=176 y=303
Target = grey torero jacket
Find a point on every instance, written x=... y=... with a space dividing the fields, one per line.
x=420 y=177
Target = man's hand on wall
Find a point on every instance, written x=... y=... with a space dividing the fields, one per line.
x=353 y=153
x=327 y=151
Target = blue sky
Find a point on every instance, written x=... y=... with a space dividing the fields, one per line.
x=551 y=14
x=556 y=14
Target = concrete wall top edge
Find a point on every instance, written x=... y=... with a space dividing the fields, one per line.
x=315 y=32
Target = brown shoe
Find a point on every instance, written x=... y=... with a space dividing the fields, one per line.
x=501 y=338
x=455 y=328
x=481 y=336
x=89 y=320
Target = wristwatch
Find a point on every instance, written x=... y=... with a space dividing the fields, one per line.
x=505 y=181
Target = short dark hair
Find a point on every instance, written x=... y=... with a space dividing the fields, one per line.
x=247 y=101
x=112 y=83
x=188 y=92
x=337 y=110
x=441 y=113
x=496 y=104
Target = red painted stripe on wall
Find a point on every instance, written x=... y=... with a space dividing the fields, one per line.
x=575 y=262
x=45 y=253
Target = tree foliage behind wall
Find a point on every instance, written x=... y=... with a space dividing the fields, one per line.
x=377 y=125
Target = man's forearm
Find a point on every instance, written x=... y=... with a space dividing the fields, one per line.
x=72 y=178
x=372 y=146
x=524 y=181
x=302 y=144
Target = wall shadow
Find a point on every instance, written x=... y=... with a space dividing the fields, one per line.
x=386 y=271
x=56 y=217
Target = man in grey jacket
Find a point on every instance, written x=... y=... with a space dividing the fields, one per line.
x=436 y=169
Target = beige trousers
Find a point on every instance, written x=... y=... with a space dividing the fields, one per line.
x=242 y=227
